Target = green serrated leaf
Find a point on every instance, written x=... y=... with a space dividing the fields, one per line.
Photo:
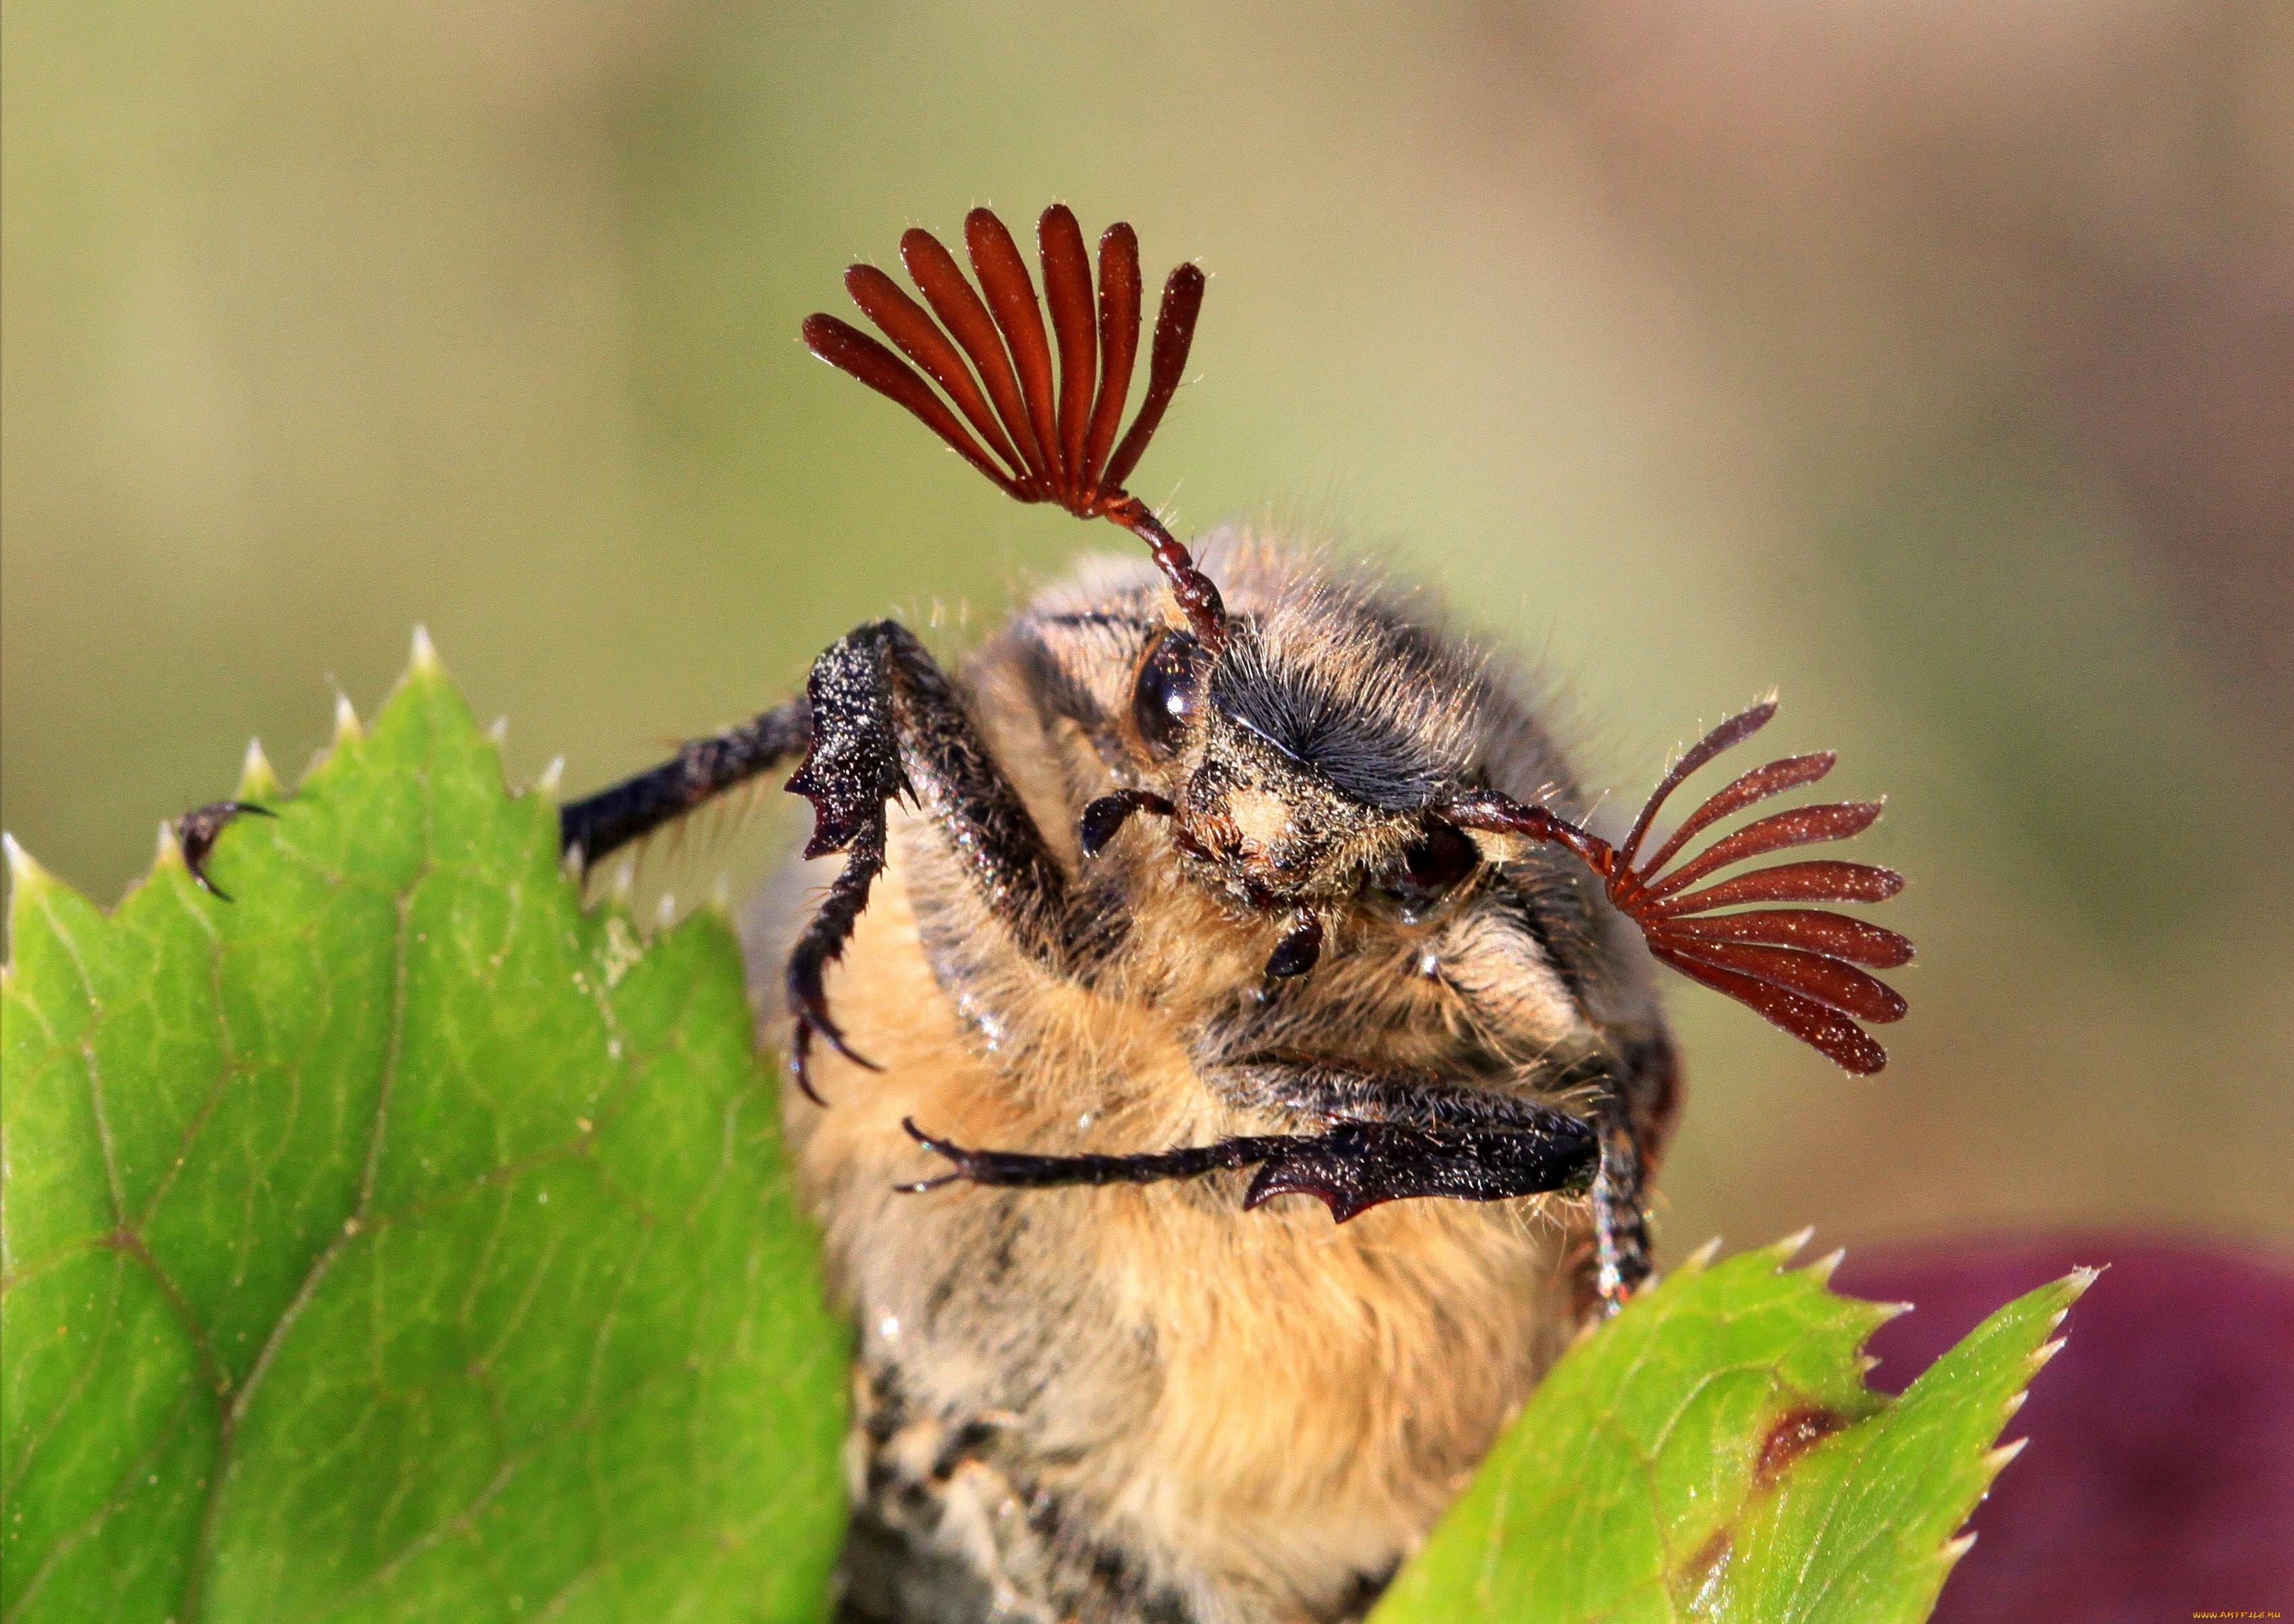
x=398 y=1240
x=1713 y=1453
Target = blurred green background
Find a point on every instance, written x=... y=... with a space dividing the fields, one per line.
x=1933 y=362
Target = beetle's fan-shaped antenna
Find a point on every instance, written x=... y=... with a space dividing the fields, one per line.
x=1798 y=967
x=1174 y=334
x=1039 y=441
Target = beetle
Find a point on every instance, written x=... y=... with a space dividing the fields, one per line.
x=1222 y=893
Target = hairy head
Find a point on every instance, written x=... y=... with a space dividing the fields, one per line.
x=1310 y=748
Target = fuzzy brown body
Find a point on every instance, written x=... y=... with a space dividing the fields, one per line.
x=1143 y=1401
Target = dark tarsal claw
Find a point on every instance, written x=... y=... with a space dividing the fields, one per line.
x=810 y=1006
x=823 y=942
x=955 y=1153
x=196 y=832
x=800 y=1060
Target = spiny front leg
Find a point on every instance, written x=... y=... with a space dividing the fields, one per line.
x=822 y=943
x=887 y=723
x=851 y=771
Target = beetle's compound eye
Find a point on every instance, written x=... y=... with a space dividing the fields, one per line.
x=1168 y=692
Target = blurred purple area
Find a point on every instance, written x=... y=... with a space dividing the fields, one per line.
x=2160 y=1480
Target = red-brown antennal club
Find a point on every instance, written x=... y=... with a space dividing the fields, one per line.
x=1797 y=967
x=997 y=405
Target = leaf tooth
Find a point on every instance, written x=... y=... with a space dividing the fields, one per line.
x=422 y=661
x=623 y=883
x=256 y=779
x=347 y=727
x=1821 y=1269
x=498 y=732
x=552 y=779
x=2074 y=1286
x=2015 y=1401
x=1953 y=1549
x=2047 y=1351
x=1791 y=1246
x=1700 y=1260
x=1871 y=1316
x=1996 y=1461
x=664 y=914
x=24 y=870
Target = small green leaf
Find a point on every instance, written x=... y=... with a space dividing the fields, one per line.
x=1713 y=1453
x=398 y=1240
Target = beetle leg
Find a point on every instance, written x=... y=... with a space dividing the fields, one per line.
x=700 y=771
x=1389 y=1138
x=886 y=724
x=196 y=832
